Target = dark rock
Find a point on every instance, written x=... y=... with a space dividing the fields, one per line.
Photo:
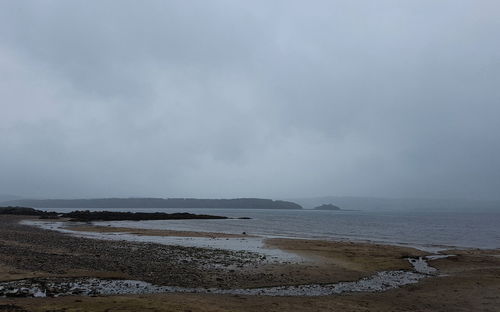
x=26 y=211
x=87 y=216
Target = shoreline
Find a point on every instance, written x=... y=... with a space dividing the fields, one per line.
x=423 y=237
x=374 y=278
x=92 y=230
x=30 y=252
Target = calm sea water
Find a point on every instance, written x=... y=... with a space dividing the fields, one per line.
x=460 y=229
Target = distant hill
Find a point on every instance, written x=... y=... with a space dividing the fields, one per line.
x=239 y=203
x=327 y=207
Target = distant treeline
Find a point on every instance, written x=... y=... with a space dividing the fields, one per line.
x=241 y=203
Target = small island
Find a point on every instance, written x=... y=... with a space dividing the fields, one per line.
x=327 y=207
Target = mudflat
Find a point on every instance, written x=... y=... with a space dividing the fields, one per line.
x=468 y=281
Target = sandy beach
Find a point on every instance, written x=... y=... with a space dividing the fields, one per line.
x=467 y=281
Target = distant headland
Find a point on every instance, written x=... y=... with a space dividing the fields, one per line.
x=237 y=203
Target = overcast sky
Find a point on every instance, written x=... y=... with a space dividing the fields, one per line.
x=276 y=99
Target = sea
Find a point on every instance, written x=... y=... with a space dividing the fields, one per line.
x=424 y=229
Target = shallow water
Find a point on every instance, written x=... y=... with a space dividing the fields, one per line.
x=427 y=230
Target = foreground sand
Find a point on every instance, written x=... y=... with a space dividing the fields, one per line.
x=472 y=282
x=471 y=292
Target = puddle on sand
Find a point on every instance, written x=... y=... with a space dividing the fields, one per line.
x=380 y=281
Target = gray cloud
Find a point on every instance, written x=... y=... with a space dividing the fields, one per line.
x=225 y=98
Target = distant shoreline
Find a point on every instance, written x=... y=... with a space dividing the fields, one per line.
x=236 y=203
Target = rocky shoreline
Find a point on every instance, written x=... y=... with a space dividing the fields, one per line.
x=25 y=211
x=89 y=216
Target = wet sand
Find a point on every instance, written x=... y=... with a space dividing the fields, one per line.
x=361 y=257
x=472 y=281
x=151 y=232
